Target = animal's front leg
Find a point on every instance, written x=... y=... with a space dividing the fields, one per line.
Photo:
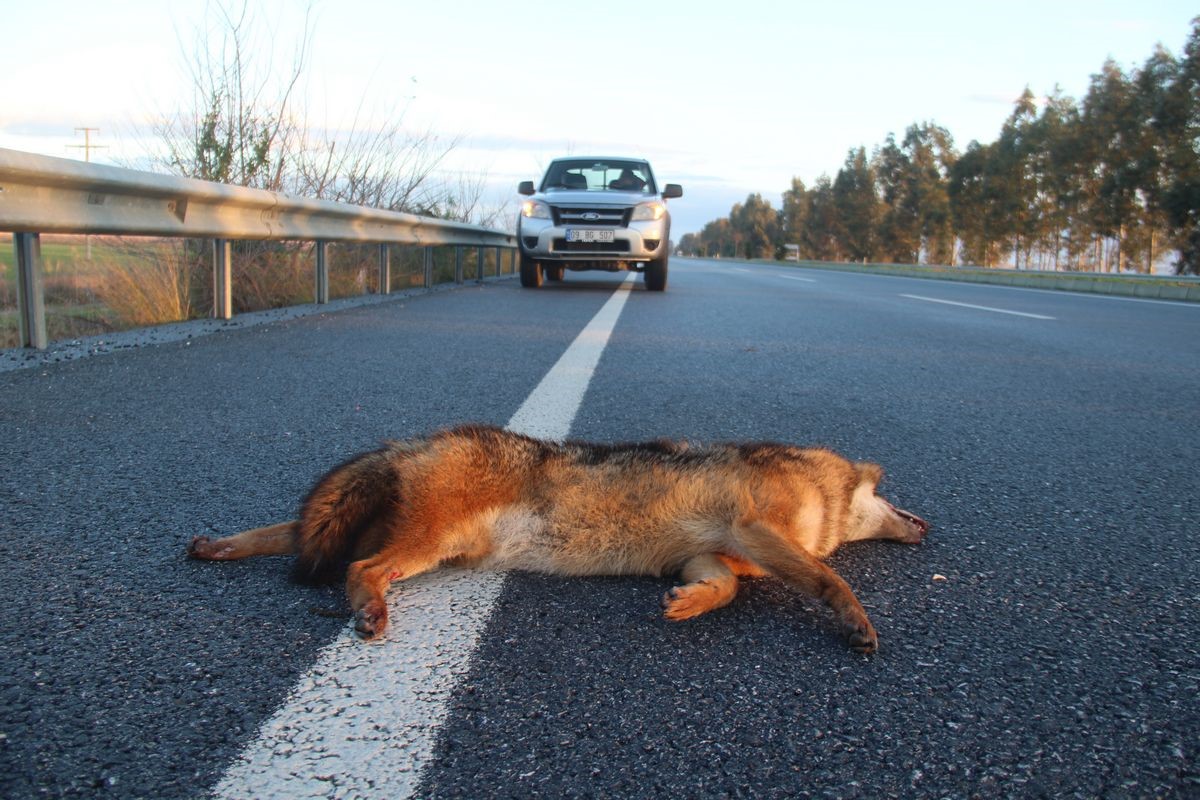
x=707 y=584
x=792 y=564
x=367 y=581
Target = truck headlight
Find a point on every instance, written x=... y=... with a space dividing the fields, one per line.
x=648 y=212
x=532 y=209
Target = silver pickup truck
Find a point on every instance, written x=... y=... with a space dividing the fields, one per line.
x=595 y=213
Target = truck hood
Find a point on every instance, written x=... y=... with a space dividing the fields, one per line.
x=568 y=197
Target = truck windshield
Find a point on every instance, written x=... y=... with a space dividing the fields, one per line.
x=600 y=176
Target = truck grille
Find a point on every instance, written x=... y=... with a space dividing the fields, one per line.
x=604 y=217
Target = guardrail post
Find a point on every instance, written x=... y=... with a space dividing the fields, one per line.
x=458 y=264
x=222 y=278
x=428 y=267
x=321 y=290
x=385 y=269
x=31 y=299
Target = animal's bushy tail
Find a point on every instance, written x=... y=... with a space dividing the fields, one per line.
x=336 y=512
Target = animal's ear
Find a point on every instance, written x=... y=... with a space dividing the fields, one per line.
x=868 y=473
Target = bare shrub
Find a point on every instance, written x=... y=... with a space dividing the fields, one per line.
x=247 y=125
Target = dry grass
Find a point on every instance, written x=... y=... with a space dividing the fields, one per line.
x=131 y=282
x=271 y=275
x=149 y=287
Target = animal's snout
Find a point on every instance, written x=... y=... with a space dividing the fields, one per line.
x=913 y=519
x=914 y=527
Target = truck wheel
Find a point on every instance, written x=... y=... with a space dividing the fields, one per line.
x=531 y=272
x=655 y=275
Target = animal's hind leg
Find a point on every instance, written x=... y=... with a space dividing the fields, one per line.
x=367 y=579
x=708 y=583
x=801 y=569
x=272 y=540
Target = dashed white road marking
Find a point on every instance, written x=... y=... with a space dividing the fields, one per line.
x=772 y=274
x=362 y=721
x=978 y=308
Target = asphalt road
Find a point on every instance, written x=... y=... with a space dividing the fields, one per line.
x=1044 y=641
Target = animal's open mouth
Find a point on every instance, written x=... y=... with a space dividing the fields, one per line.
x=911 y=518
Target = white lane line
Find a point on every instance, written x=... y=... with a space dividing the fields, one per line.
x=548 y=412
x=796 y=278
x=979 y=308
x=362 y=721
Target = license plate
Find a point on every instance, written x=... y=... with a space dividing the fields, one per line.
x=588 y=235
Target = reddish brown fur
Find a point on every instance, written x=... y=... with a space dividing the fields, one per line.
x=481 y=496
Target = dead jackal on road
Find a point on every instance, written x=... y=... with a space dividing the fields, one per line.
x=484 y=497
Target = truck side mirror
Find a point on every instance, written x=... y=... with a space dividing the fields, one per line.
x=672 y=190
x=525 y=187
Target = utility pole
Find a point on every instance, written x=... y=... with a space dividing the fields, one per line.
x=87 y=147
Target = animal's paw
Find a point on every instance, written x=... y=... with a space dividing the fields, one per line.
x=371 y=619
x=690 y=600
x=862 y=636
x=208 y=549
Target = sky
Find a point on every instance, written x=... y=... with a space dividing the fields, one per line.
x=724 y=98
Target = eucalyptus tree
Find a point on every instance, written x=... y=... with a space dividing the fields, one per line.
x=1110 y=132
x=899 y=218
x=717 y=238
x=857 y=205
x=795 y=217
x=929 y=154
x=1013 y=186
x=967 y=190
x=1060 y=173
x=690 y=244
x=1179 y=125
x=821 y=232
x=755 y=226
x=1152 y=86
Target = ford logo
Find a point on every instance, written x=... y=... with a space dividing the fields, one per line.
x=590 y=216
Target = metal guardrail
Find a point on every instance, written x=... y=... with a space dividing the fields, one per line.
x=41 y=194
